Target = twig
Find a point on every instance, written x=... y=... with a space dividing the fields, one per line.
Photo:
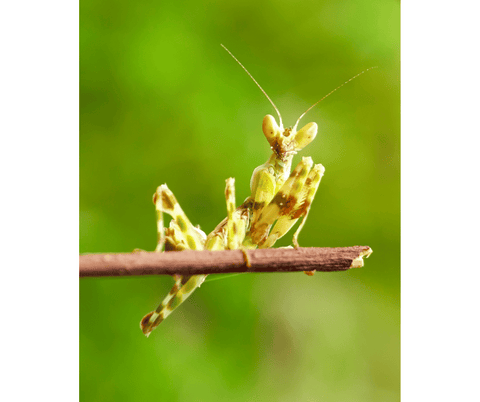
x=190 y=262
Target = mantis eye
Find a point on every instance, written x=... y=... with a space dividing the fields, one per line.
x=305 y=135
x=270 y=128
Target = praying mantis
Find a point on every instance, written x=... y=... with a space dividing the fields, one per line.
x=279 y=197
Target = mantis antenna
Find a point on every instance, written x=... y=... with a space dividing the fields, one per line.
x=331 y=92
x=311 y=107
x=255 y=81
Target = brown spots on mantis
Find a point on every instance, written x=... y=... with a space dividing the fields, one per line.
x=174 y=289
x=148 y=326
x=258 y=205
x=279 y=199
x=170 y=245
x=184 y=280
x=277 y=148
x=290 y=203
x=168 y=201
x=283 y=151
x=228 y=193
x=145 y=320
x=301 y=211
x=285 y=203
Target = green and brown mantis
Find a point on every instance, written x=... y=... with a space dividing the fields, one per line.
x=279 y=198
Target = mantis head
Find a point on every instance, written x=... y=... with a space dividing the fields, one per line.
x=287 y=141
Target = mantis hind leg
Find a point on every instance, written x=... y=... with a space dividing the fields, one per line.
x=180 y=235
x=183 y=235
x=182 y=289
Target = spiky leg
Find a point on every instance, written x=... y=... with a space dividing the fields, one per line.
x=183 y=235
x=180 y=235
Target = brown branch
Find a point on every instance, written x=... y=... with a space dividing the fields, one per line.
x=190 y=262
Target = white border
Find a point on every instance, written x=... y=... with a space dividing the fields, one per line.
x=440 y=201
x=39 y=202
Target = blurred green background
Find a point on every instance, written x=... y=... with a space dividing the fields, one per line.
x=162 y=102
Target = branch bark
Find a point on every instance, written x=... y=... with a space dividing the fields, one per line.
x=192 y=262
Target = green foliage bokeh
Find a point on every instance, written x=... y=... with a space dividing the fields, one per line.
x=162 y=102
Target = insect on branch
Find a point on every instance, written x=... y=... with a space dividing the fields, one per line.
x=194 y=262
